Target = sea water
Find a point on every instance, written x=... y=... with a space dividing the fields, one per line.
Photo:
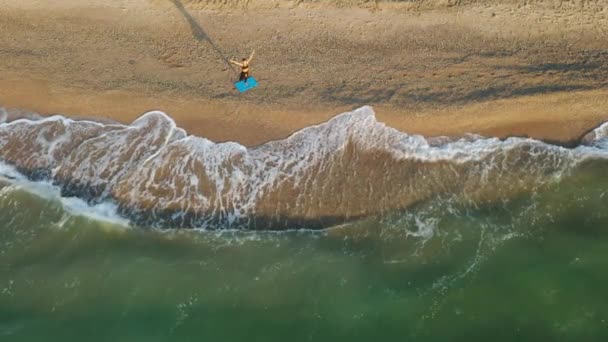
x=505 y=240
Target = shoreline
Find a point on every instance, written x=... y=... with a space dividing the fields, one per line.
x=497 y=70
x=560 y=118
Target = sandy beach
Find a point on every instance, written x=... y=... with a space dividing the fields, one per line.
x=432 y=68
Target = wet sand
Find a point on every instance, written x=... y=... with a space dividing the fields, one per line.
x=499 y=70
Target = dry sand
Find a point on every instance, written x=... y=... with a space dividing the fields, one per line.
x=508 y=68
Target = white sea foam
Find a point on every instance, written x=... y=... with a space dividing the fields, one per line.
x=44 y=143
x=105 y=211
x=151 y=166
x=598 y=137
x=242 y=175
x=102 y=160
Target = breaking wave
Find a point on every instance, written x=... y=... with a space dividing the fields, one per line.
x=153 y=173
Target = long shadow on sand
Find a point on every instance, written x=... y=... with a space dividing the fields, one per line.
x=199 y=33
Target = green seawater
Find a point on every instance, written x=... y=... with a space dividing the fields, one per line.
x=529 y=268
